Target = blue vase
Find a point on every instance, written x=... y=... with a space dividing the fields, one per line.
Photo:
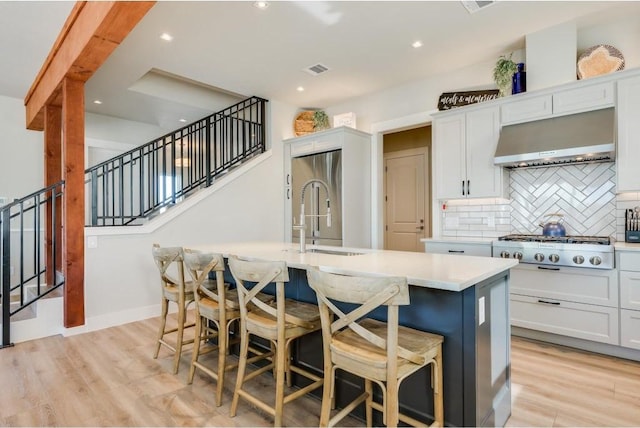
x=519 y=80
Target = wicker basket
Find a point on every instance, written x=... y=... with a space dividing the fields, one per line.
x=303 y=123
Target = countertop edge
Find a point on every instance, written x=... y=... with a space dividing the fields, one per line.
x=626 y=246
x=443 y=273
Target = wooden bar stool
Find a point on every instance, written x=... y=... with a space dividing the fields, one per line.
x=215 y=303
x=174 y=289
x=280 y=322
x=384 y=353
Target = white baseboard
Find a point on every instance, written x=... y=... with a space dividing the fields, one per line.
x=49 y=320
x=114 y=319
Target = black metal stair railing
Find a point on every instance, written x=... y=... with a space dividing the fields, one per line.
x=144 y=181
x=24 y=246
x=121 y=191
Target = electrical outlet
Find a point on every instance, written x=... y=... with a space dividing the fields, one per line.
x=92 y=242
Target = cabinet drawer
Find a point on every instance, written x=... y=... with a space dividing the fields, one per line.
x=302 y=148
x=525 y=110
x=630 y=290
x=567 y=284
x=327 y=145
x=630 y=329
x=583 y=99
x=458 y=249
x=629 y=261
x=589 y=322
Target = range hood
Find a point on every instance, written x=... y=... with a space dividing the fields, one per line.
x=564 y=140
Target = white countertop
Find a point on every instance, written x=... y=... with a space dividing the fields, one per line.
x=626 y=246
x=441 y=271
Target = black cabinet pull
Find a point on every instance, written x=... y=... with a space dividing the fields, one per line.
x=288 y=179
x=462 y=187
x=548 y=268
x=546 y=302
x=457 y=251
x=468 y=187
x=288 y=194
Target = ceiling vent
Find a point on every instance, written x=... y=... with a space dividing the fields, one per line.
x=474 y=6
x=316 y=69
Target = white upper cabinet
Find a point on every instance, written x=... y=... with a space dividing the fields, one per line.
x=628 y=151
x=526 y=108
x=464 y=146
x=591 y=97
x=449 y=148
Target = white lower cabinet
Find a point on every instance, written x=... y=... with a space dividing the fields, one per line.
x=629 y=266
x=458 y=248
x=589 y=322
x=580 y=303
x=630 y=328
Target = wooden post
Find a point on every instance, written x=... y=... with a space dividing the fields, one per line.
x=52 y=175
x=73 y=200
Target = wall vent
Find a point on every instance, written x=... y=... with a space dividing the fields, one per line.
x=476 y=5
x=316 y=69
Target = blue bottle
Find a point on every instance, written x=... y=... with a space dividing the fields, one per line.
x=519 y=80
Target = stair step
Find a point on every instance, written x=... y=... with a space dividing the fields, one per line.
x=27 y=313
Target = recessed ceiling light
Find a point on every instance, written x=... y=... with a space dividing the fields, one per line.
x=166 y=37
x=261 y=4
x=417 y=44
x=300 y=89
x=182 y=120
x=97 y=102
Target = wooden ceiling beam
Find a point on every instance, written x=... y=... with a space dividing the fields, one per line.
x=92 y=31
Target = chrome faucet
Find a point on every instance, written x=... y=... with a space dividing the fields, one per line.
x=302 y=226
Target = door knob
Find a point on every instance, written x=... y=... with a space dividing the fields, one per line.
x=420 y=228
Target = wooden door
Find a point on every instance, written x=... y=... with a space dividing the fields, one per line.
x=405 y=183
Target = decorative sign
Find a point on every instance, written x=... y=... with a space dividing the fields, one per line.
x=449 y=100
x=345 y=119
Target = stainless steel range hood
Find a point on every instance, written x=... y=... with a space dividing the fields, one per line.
x=564 y=140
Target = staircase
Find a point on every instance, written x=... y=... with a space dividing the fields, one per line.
x=141 y=183
x=127 y=190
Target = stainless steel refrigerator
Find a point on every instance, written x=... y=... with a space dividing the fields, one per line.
x=328 y=168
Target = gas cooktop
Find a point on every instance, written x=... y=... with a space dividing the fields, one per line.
x=574 y=251
x=596 y=240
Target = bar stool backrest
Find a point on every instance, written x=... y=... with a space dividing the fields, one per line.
x=368 y=293
x=199 y=265
x=169 y=261
x=262 y=273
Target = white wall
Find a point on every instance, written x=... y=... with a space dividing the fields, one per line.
x=121 y=280
x=21 y=152
x=422 y=96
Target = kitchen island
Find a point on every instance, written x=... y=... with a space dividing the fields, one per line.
x=463 y=298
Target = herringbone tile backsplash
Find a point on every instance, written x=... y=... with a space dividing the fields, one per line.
x=584 y=194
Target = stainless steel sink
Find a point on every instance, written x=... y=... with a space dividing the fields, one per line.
x=333 y=252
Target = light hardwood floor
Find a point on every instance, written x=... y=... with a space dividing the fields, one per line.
x=108 y=378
